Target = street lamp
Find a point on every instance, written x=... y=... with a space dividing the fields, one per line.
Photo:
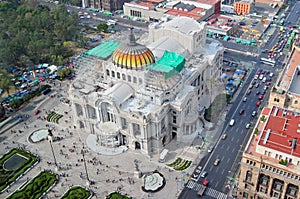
x=50 y=139
x=85 y=167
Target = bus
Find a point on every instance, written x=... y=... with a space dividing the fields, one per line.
x=268 y=61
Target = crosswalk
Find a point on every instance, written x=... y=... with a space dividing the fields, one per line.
x=208 y=192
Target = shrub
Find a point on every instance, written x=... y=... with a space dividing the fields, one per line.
x=283 y=162
x=255 y=131
x=262 y=118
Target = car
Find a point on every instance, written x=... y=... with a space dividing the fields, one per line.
x=203 y=174
x=231 y=123
x=37 y=111
x=266 y=87
x=241 y=111
x=245 y=99
x=258 y=92
x=268 y=83
x=248 y=92
x=254 y=113
x=224 y=136
x=255 y=77
x=248 y=126
x=258 y=103
x=264 y=79
x=251 y=86
x=260 y=97
x=210 y=149
x=261 y=76
x=263 y=92
x=217 y=161
x=257 y=85
x=205 y=182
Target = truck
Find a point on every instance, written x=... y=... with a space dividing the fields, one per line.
x=202 y=188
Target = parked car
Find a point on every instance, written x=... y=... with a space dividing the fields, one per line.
x=254 y=113
x=258 y=103
x=203 y=174
x=260 y=97
x=210 y=149
x=248 y=92
x=245 y=99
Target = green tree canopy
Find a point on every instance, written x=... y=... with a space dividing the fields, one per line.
x=31 y=33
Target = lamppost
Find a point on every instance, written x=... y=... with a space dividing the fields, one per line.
x=50 y=139
x=85 y=167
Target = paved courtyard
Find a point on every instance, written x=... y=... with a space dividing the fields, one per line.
x=109 y=173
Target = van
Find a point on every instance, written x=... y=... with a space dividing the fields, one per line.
x=231 y=123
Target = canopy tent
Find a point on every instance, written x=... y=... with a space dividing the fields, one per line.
x=171 y=63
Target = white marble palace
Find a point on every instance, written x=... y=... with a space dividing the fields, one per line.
x=144 y=96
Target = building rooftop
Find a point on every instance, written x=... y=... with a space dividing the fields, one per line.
x=221 y=21
x=210 y=2
x=290 y=69
x=281 y=131
x=194 y=13
x=294 y=72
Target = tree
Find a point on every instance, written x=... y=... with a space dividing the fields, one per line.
x=5 y=82
x=102 y=27
x=2 y=111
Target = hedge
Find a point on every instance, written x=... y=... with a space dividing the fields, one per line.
x=36 y=187
x=77 y=192
x=8 y=177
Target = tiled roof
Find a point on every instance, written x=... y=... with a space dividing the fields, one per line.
x=282 y=131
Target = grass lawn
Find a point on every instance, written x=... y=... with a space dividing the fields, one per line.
x=36 y=187
x=77 y=193
x=116 y=195
x=13 y=164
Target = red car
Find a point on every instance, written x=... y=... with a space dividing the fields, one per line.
x=260 y=97
x=258 y=103
x=205 y=182
x=37 y=111
x=268 y=83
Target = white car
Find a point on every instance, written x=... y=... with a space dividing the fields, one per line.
x=255 y=77
x=271 y=74
x=261 y=76
x=203 y=174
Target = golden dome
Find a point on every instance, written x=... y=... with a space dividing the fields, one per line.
x=133 y=55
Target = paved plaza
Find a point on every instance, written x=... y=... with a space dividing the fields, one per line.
x=108 y=172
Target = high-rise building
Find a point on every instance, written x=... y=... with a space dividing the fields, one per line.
x=242 y=7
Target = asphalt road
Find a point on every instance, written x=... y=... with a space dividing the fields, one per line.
x=293 y=17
